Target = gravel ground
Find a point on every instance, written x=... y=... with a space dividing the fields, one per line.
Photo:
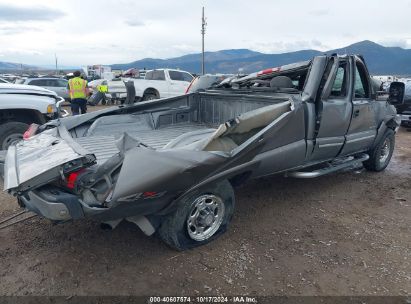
x=344 y=234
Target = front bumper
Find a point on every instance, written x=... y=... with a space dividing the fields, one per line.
x=2 y=161
x=405 y=119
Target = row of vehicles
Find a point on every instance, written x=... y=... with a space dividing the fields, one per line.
x=33 y=99
x=171 y=165
x=160 y=83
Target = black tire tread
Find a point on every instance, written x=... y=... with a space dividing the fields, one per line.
x=372 y=164
x=170 y=226
x=10 y=128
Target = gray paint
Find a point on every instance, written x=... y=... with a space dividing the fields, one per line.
x=157 y=147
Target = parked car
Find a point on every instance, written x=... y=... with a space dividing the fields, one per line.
x=21 y=105
x=170 y=165
x=400 y=97
x=162 y=83
x=57 y=85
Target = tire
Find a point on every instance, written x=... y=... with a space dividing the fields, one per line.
x=10 y=133
x=381 y=154
x=149 y=96
x=181 y=229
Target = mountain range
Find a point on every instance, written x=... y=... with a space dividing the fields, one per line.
x=380 y=60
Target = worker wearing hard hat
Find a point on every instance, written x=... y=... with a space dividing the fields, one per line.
x=78 y=91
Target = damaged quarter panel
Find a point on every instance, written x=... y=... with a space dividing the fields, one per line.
x=146 y=170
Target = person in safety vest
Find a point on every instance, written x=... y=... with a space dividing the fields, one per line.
x=103 y=87
x=78 y=91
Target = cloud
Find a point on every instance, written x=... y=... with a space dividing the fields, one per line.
x=288 y=46
x=18 y=13
x=319 y=12
x=134 y=23
x=402 y=43
x=16 y=29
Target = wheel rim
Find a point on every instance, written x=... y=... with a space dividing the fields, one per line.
x=205 y=217
x=11 y=139
x=385 y=151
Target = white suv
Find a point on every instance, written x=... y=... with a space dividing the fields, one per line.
x=57 y=85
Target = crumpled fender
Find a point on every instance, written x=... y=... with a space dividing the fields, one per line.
x=145 y=170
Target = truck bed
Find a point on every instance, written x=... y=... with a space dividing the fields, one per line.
x=104 y=146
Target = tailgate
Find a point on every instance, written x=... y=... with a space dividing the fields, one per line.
x=42 y=159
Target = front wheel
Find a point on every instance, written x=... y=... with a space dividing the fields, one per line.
x=11 y=133
x=200 y=217
x=381 y=154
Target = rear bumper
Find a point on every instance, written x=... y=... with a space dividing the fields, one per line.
x=53 y=204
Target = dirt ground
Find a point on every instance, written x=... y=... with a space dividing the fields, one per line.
x=344 y=234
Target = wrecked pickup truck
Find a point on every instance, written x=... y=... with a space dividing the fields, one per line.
x=170 y=165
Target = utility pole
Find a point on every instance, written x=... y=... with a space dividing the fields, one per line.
x=203 y=27
x=55 y=56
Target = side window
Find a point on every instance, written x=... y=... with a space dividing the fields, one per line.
x=361 y=86
x=174 y=75
x=52 y=83
x=339 y=88
x=38 y=82
x=187 y=77
x=159 y=75
x=61 y=83
x=180 y=76
x=149 y=75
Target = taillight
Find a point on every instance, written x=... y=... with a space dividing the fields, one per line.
x=32 y=130
x=269 y=71
x=72 y=179
x=189 y=86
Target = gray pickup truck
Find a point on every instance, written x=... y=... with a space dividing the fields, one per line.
x=170 y=165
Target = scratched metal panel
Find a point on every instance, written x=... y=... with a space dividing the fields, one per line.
x=103 y=147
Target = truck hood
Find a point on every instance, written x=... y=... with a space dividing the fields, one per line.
x=10 y=88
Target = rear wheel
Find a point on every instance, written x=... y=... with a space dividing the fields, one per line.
x=11 y=132
x=149 y=96
x=381 y=154
x=200 y=218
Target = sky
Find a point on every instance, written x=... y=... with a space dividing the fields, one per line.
x=84 y=32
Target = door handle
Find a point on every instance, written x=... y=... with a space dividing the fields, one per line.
x=356 y=113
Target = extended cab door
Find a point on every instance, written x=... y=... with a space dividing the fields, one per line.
x=363 y=126
x=333 y=110
x=179 y=82
x=161 y=84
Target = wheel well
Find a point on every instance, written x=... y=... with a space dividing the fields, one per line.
x=151 y=91
x=239 y=179
x=22 y=115
x=392 y=124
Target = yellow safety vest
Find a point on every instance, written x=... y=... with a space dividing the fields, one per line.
x=102 y=88
x=78 y=88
